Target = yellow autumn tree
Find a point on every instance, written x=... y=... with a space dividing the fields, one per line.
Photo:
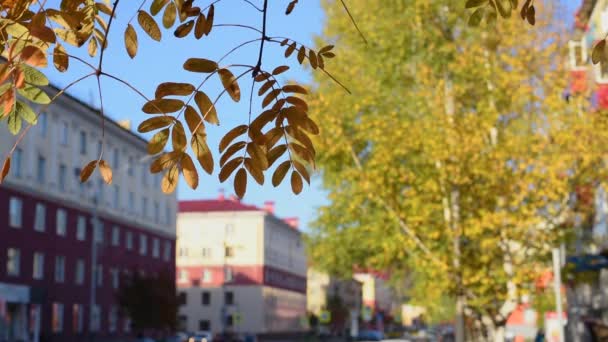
x=456 y=157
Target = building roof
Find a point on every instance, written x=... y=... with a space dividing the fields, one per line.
x=214 y=205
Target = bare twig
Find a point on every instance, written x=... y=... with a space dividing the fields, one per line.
x=258 y=66
x=105 y=37
x=353 y=21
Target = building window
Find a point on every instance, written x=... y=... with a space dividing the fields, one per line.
x=115 y=236
x=64 y=133
x=113 y=319
x=15 y=212
x=207 y=276
x=81 y=228
x=13 y=264
x=99 y=276
x=38 y=269
x=182 y=323
x=206 y=298
x=183 y=276
x=39 y=220
x=95 y=318
x=129 y=240
x=155 y=248
x=130 y=167
x=116 y=157
x=62 y=222
x=59 y=269
x=228 y=275
x=229 y=229
x=79 y=272
x=116 y=197
x=62 y=177
x=229 y=252
x=577 y=54
x=229 y=320
x=42 y=124
x=204 y=325
x=131 y=201
x=115 y=278
x=83 y=142
x=167 y=251
x=77 y=318
x=144 y=207
x=57 y=317
x=168 y=215
x=143 y=244
x=229 y=298
x=41 y=169
x=16 y=162
x=98 y=229
x=144 y=175
x=182 y=298
x=206 y=252
x=183 y=252
x=156 y=212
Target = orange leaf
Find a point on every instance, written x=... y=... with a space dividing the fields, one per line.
x=240 y=182
x=106 y=171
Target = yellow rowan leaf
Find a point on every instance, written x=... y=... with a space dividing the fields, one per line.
x=194 y=121
x=6 y=166
x=169 y=15
x=184 y=29
x=202 y=152
x=106 y=171
x=170 y=180
x=157 y=5
x=275 y=153
x=240 y=182
x=270 y=97
x=206 y=108
x=298 y=102
x=200 y=65
x=231 y=135
x=301 y=54
x=164 y=161
x=131 y=41
x=189 y=171
x=234 y=148
x=258 y=155
x=155 y=123
x=209 y=20
x=280 y=69
x=230 y=84
x=312 y=58
x=302 y=170
x=280 y=172
x=33 y=56
x=149 y=25
x=294 y=88
x=229 y=167
x=296 y=183
x=158 y=141
x=200 y=26
x=162 y=106
x=290 y=49
x=87 y=171
x=254 y=171
x=92 y=49
x=265 y=87
x=178 y=137
x=173 y=88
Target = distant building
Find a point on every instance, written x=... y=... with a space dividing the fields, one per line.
x=46 y=228
x=341 y=297
x=239 y=268
x=378 y=298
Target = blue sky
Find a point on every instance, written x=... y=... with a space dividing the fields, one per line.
x=161 y=62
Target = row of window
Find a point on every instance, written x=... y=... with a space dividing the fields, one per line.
x=64 y=177
x=206 y=276
x=57 y=319
x=13 y=268
x=206 y=298
x=16 y=221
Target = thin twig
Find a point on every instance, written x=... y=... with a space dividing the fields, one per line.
x=253 y=5
x=238 y=25
x=103 y=130
x=353 y=21
x=82 y=61
x=258 y=66
x=236 y=48
x=136 y=12
x=105 y=37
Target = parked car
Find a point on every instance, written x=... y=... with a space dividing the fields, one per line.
x=201 y=336
x=370 y=335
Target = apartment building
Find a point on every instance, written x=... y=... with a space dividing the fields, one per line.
x=59 y=275
x=239 y=268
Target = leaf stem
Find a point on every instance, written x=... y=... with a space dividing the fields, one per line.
x=105 y=37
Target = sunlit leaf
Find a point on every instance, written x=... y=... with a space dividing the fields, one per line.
x=194 y=120
x=6 y=166
x=280 y=172
x=173 y=88
x=229 y=167
x=231 y=135
x=169 y=15
x=33 y=56
x=87 y=171
x=178 y=137
x=202 y=152
x=200 y=65
x=158 y=141
x=34 y=94
x=184 y=29
x=206 y=108
x=149 y=25
x=170 y=180
x=160 y=106
x=296 y=183
x=240 y=183
x=189 y=171
x=234 y=148
x=254 y=171
x=200 y=26
x=131 y=41
x=230 y=84
x=280 y=69
x=106 y=171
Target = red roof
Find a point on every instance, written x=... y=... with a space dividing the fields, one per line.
x=215 y=205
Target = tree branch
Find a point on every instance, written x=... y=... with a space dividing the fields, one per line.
x=258 y=66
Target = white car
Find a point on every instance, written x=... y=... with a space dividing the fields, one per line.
x=201 y=336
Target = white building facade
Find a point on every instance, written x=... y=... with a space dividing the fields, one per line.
x=239 y=269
